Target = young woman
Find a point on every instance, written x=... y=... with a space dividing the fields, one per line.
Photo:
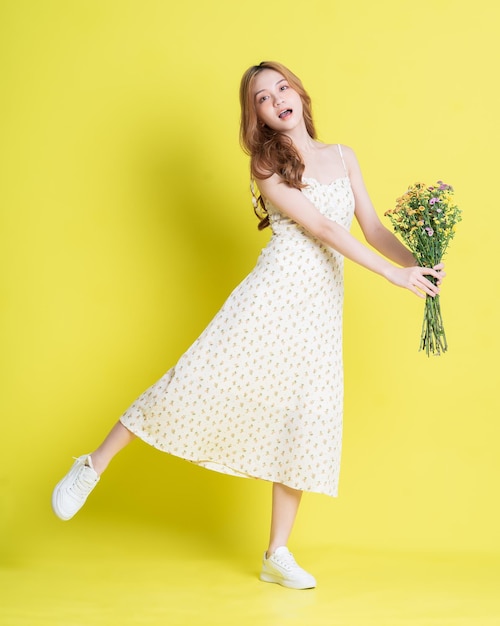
x=259 y=394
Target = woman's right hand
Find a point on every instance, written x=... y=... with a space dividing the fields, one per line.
x=414 y=279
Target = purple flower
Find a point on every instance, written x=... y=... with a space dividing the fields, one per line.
x=434 y=200
x=443 y=186
x=429 y=230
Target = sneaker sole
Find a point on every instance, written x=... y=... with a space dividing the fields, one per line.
x=54 y=503
x=269 y=578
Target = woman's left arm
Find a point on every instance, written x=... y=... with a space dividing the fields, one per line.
x=375 y=233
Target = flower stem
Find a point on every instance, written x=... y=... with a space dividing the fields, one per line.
x=433 y=338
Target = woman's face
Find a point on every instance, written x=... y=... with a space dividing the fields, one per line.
x=276 y=103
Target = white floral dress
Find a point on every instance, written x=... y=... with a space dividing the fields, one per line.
x=260 y=392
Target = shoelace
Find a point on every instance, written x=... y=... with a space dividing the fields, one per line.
x=287 y=561
x=83 y=483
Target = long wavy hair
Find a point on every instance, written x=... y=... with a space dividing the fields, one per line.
x=271 y=152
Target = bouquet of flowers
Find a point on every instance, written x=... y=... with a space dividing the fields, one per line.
x=425 y=217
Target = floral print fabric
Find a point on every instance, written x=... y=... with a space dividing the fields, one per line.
x=260 y=392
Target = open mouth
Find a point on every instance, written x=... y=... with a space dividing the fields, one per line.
x=284 y=114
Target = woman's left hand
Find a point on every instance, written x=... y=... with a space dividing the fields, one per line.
x=414 y=279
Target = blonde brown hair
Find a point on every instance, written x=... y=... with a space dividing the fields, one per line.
x=271 y=152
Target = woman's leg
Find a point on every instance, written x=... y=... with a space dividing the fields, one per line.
x=278 y=565
x=117 y=439
x=285 y=506
x=71 y=493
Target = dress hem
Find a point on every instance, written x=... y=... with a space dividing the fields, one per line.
x=221 y=468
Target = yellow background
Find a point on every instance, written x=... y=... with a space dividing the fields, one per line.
x=126 y=220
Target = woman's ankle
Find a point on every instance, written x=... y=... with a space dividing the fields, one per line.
x=97 y=463
x=272 y=549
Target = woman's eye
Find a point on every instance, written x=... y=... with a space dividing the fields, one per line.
x=263 y=98
x=284 y=87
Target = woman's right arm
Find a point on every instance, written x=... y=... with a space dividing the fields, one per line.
x=292 y=203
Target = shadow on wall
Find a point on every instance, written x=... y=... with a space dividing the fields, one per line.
x=189 y=204
x=203 y=258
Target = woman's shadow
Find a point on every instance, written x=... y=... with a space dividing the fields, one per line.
x=209 y=257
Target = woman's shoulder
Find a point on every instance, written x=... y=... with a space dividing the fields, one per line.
x=336 y=148
x=332 y=150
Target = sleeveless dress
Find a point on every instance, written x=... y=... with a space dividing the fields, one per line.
x=259 y=394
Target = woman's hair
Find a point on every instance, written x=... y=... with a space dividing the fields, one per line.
x=271 y=152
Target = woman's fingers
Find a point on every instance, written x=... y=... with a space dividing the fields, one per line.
x=441 y=274
x=416 y=279
x=429 y=287
x=422 y=286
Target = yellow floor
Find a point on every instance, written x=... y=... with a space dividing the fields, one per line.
x=91 y=572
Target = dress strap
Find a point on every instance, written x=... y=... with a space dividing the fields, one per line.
x=342 y=157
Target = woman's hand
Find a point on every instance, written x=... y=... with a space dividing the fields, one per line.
x=414 y=279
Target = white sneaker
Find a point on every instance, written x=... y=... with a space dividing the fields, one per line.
x=281 y=568
x=71 y=492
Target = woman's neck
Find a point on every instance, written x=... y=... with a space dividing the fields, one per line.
x=302 y=140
